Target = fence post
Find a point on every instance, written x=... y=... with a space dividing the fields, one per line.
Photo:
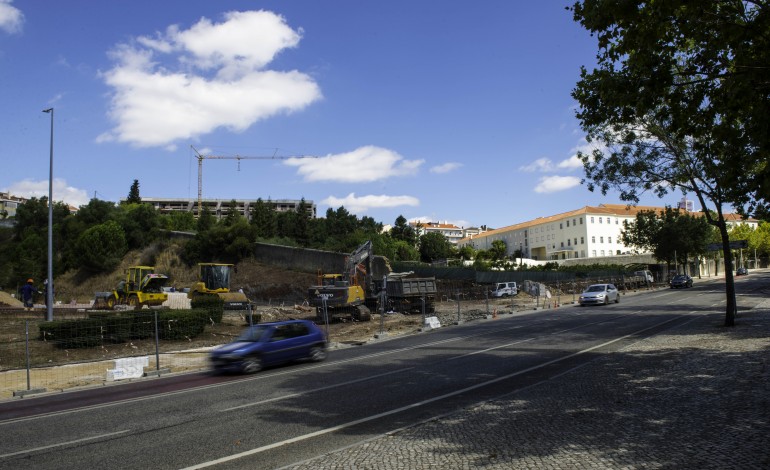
x=486 y=299
x=157 y=343
x=326 y=318
x=458 y=309
x=26 y=351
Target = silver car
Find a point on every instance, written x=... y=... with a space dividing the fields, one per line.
x=598 y=294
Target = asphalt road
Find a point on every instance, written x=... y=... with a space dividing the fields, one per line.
x=293 y=413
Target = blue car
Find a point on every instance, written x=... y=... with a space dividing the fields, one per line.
x=267 y=344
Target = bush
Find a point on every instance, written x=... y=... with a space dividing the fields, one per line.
x=213 y=304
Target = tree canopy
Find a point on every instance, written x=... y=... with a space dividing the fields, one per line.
x=679 y=101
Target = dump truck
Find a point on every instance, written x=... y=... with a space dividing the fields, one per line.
x=355 y=290
x=142 y=286
x=214 y=280
x=405 y=293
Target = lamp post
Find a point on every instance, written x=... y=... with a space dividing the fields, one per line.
x=49 y=285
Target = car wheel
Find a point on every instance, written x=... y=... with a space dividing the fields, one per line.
x=607 y=300
x=252 y=365
x=317 y=353
x=617 y=299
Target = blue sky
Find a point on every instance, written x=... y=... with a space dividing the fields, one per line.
x=434 y=110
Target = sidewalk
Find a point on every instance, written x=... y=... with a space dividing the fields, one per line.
x=697 y=396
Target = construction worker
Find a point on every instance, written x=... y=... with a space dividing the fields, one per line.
x=28 y=292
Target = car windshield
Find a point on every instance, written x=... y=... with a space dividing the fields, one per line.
x=253 y=333
x=597 y=288
x=679 y=277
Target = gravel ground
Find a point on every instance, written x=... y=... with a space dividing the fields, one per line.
x=695 y=397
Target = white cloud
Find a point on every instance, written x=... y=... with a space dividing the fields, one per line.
x=362 y=165
x=552 y=184
x=212 y=77
x=356 y=204
x=61 y=192
x=446 y=167
x=572 y=163
x=539 y=165
x=11 y=18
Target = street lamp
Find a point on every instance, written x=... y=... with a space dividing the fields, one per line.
x=49 y=285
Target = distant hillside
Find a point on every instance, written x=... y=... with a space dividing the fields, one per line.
x=259 y=281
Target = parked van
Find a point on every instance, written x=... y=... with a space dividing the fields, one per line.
x=647 y=275
x=505 y=289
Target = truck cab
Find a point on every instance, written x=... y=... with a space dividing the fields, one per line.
x=505 y=289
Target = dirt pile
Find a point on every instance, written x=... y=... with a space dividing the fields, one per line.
x=7 y=300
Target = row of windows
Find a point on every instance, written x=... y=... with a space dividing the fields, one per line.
x=609 y=220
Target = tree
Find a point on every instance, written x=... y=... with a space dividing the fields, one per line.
x=133 y=194
x=263 y=219
x=101 y=247
x=498 y=250
x=401 y=230
x=679 y=101
x=434 y=246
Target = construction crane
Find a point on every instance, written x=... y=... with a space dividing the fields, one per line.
x=202 y=157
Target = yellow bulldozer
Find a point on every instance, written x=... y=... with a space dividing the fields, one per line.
x=214 y=280
x=142 y=286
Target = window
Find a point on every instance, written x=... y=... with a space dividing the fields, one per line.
x=609 y=239
x=581 y=221
x=593 y=253
x=562 y=244
x=575 y=240
x=568 y=223
x=601 y=239
x=561 y=227
x=576 y=255
x=616 y=221
x=600 y=220
x=608 y=220
x=593 y=239
x=602 y=252
x=592 y=220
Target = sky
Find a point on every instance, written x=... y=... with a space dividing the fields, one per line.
x=436 y=110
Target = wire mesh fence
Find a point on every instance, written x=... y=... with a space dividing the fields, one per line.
x=86 y=347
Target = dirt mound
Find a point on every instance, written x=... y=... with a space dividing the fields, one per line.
x=7 y=300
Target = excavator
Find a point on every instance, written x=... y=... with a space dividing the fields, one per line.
x=214 y=280
x=347 y=292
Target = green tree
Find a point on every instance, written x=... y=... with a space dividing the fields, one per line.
x=678 y=101
x=206 y=220
x=140 y=224
x=498 y=250
x=102 y=247
x=401 y=230
x=263 y=219
x=133 y=194
x=434 y=246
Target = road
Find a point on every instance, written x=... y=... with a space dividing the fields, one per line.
x=290 y=414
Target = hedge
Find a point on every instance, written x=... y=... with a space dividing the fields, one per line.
x=103 y=328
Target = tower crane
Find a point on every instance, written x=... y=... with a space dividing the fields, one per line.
x=202 y=157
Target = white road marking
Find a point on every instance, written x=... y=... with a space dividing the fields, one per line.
x=61 y=444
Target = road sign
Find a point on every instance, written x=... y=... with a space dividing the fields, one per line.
x=734 y=245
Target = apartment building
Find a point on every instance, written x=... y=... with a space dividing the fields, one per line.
x=452 y=232
x=587 y=232
x=220 y=207
x=9 y=203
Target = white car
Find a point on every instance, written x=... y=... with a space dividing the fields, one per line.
x=598 y=294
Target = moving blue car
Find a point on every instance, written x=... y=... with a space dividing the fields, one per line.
x=267 y=344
